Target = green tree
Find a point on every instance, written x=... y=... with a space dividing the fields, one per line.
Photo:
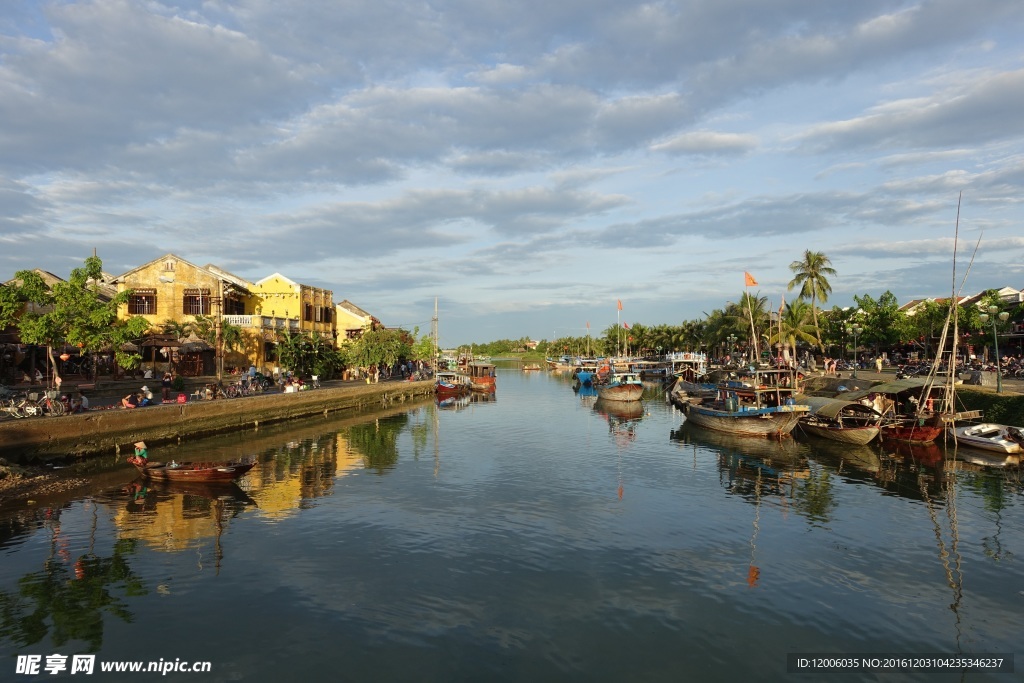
x=385 y=346
x=795 y=325
x=73 y=312
x=883 y=321
x=810 y=275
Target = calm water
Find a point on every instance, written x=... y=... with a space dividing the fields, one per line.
x=537 y=536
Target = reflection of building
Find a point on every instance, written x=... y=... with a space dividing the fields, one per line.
x=175 y=523
x=300 y=471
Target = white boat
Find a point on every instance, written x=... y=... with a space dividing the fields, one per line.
x=990 y=436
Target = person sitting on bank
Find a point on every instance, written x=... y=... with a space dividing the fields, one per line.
x=79 y=404
x=130 y=401
x=145 y=397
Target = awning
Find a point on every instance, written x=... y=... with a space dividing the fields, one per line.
x=831 y=407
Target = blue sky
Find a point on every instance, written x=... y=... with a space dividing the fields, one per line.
x=527 y=163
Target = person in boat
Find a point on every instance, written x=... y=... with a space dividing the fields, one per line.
x=141 y=456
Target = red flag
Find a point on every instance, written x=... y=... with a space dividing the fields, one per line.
x=749 y=279
x=588 y=324
x=620 y=303
x=626 y=325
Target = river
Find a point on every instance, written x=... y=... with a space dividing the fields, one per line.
x=533 y=536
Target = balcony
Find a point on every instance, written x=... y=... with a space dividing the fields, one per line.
x=263 y=322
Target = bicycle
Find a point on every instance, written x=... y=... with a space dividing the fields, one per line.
x=243 y=388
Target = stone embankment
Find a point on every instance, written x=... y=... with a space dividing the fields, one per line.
x=35 y=440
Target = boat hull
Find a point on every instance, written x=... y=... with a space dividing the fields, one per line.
x=621 y=392
x=207 y=473
x=484 y=384
x=767 y=422
x=912 y=433
x=987 y=436
x=853 y=435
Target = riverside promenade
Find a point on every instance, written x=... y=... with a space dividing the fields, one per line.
x=106 y=430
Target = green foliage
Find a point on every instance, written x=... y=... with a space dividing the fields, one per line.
x=999 y=408
x=380 y=346
x=883 y=322
x=309 y=354
x=810 y=275
x=73 y=312
x=377 y=441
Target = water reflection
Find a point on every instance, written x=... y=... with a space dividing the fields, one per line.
x=67 y=599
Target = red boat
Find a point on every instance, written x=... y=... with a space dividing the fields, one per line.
x=209 y=472
x=481 y=376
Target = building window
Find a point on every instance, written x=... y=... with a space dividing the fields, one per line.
x=234 y=307
x=307 y=312
x=328 y=314
x=142 y=302
x=169 y=265
x=196 y=302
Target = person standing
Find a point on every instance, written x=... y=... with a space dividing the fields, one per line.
x=165 y=386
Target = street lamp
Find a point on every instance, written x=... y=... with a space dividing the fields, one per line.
x=732 y=344
x=992 y=310
x=855 y=330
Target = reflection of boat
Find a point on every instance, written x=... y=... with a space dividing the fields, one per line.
x=481 y=376
x=623 y=386
x=924 y=453
x=990 y=437
x=784 y=451
x=861 y=457
x=762 y=406
x=987 y=458
x=455 y=402
x=621 y=410
x=226 y=491
x=622 y=417
x=208 y=472
x=775 y=458
x=845 y=421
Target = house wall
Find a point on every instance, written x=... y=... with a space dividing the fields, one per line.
x=170 y=278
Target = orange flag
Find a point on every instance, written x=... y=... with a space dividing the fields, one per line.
x=620 y=303
x=749 y=279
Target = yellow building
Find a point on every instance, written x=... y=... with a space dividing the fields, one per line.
x=172 y=289
x=352 y=321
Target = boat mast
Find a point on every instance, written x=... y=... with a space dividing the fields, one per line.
x=433 y=333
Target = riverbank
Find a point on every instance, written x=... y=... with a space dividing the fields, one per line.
x=29 y=448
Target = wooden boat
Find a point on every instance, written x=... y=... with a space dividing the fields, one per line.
x=531 y=366
x=765 y=405
x=624 y=386
x=838 y=420
x=207 y=472
x=481 y=376
x=990 y=437
x=449 y=383
x=911 y=408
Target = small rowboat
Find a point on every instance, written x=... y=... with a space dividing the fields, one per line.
x=209 y=472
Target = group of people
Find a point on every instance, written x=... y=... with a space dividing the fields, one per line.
x=138 y=399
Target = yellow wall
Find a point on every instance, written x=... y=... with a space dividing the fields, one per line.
x=170 y=277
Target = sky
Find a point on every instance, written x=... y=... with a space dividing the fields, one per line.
x=527 y=163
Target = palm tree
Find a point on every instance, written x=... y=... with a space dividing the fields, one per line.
x=794 y=326
x=809 y=275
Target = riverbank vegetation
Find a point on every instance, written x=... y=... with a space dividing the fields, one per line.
x=875 y=324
